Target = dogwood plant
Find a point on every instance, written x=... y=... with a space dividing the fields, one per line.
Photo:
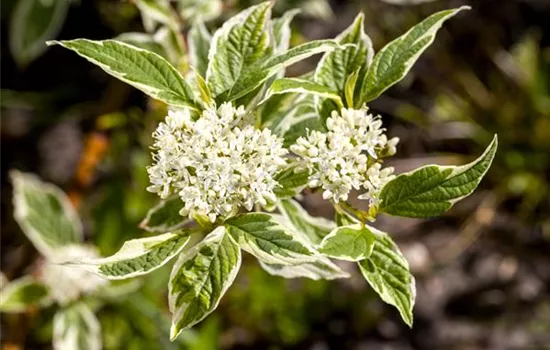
x=48 y=219
x=241 y=141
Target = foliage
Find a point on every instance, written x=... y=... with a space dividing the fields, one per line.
x=242 y=121
x=82 y=303
x=510 y=98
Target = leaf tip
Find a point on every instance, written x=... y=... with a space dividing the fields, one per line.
x=409 y=320
x=53 y=42
x=14 y=174
x=174 y=332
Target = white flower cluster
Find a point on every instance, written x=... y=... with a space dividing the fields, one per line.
x=68 y=283
x=217 y=163
x=347 y=156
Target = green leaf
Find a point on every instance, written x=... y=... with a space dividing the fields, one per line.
x=259 y=72
x=200 y=278
x=387 y=272
x=311 y=229
x=281 y=34
x=295 y=121
x=349 y=90
x=291 y=182
x=300 y=109
x=204 y=91
x=274 y=109
x=336 y=66
x=301 y=86
x=319 y=269
x=199 y=42
x=281 y=30
x=22 y=293
x=76 y=328
x=173 y=44
x=33 y=22
x=206 y=10
x=394 y=61
x=145 y=70
x=164 y=217
x=344 y=219
x=240 y=42
x=44 y=213
x=144 y=41
x=264 y=237
x=137 y=257
x=156 y=11
x=351 y=243
x=432 y=190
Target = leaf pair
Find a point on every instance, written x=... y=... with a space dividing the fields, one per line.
x=205 y=270
x=352 y=75
x=240 y=59
x=380 y=261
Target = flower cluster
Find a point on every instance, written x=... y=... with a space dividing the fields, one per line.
x=347 y=156
x=217 y=163
x=68 y=283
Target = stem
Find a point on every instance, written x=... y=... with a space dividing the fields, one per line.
x=361 y=215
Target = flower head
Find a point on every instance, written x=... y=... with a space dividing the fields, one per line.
x=68 y=283
x=347 y=156
x=217 y=163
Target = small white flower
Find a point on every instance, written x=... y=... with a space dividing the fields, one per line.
x=217 y=163
x=68 y=283
x=347 y=156
x=376 y=178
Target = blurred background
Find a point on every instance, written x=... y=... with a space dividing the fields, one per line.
x=482 y=270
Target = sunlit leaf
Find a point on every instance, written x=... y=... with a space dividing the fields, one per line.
x=258 y=73
x=138 y=256
x=200 y=278
x=336 y=66
x=264 y=237
x=145 y=70
x=311 y=229
x=394 y=61
x=433 y=189
x=352 y=243
x=387 y=271
x=239 y=43
x=301 y=86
